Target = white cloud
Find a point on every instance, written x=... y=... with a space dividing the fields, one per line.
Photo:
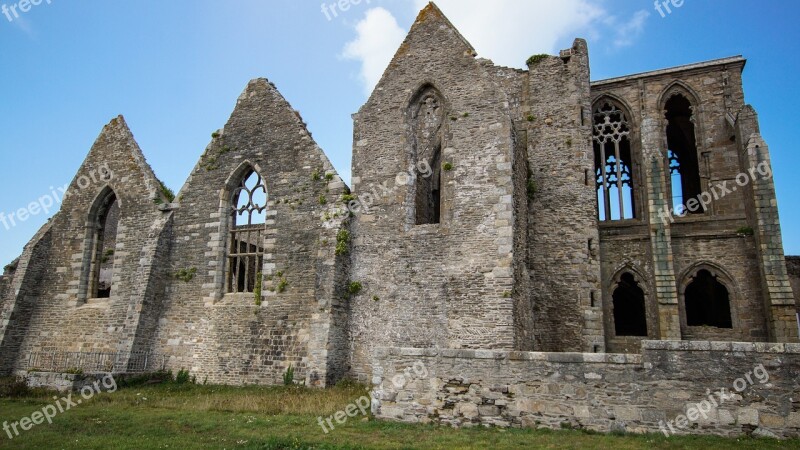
x=505 y=31
x=509 y=31
x=378 y=37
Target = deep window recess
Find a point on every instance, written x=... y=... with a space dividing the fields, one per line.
x=630 y=315
x=247 y=232
x=613 y=163
x=707 y=302
x=427 y=117
x=682 y=158
x=104 y=242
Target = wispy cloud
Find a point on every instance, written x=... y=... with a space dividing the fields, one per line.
x=22 y=24
x=628 y=32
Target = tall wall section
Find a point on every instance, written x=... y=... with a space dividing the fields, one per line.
x=448 y=284
x=53 y=309
x=664 y=250
x=563 y=256
x=244 y=338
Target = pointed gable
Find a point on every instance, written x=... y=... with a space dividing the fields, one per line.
x=115 y=160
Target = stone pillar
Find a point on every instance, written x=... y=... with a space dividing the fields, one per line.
x=660 y=219
x=562 y=222
x=762 y=215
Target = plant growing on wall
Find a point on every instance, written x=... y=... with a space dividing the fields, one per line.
x=107 y=256
x=186 y=275
x=342 y=242
x=257 y=288
x=283 y=283
x=354 y=288
x=531 y=187
x=535 y=59
x=288 y=376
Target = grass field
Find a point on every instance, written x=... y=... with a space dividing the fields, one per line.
x=186 y=416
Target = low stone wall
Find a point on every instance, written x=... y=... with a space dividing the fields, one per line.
x=673 y=387
x=64 y=382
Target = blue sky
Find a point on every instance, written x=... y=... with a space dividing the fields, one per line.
x=175 y=68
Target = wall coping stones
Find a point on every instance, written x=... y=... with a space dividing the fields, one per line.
x=742 y=347
x=508 y=355
x=592 y=358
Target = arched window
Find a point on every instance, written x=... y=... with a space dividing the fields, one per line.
x=630 y=314
x=682 y=159
x=427 y=118
x=613 y=161
x=707 y=302
x=103 y=243
x=247 y=233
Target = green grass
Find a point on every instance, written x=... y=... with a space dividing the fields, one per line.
x=196 y=416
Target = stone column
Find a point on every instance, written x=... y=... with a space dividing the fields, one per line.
x=762 y=215
x=660 y=220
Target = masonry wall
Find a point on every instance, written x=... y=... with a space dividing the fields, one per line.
x=449 y=284
x=228 y=338
x=662 y=249
x=5 y=284
x=55 y=311
x=23 y=288
x=793 y=267
x=600 y=392
x=563 y=256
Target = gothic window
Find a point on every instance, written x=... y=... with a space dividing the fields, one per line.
x=103 y=242
x=247 y=232
x=613 y=163
x=630 y=316
x=682 y=159
x=707 y=302
x=427 y=114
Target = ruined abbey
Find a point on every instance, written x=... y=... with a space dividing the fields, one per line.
x=553 y=250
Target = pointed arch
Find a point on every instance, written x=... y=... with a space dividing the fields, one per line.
x=615 y=170
x=426 y=116
x=99 y=246
x=678 y=87
x=621 y=103
x=629 y=293
x=707 y=294
x=243 y=207
x=679 y=102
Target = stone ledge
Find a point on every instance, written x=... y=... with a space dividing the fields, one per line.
x=507 y=355
x=717 y=346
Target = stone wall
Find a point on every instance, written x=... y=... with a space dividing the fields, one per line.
x=23 y=289
x=227 y=337
x=600 y=392
x=563 y=256
x=793 y=267
x=65 y=382
x=54 y=310
x=663 y=251
x=446 y=284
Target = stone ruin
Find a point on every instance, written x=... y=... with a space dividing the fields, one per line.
x=553 y=250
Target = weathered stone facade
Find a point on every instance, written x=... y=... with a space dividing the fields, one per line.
x=495 y=212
